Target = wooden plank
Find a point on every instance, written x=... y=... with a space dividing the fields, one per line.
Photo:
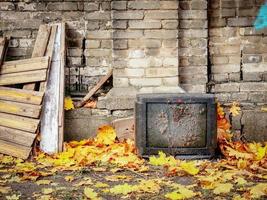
x=17 y=136
x=49 y=53
x=41 y=40
x=18 y=122
x=49 y=116
x=39 y=47
x=61 y=88
x=3 y=47
x=20 y=109
x=14 y=149
x=23 y=77
x=23 y=66
x=22 y=96
x=94 y=89
x=26 y=61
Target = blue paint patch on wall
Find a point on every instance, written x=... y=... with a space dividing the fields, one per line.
x=261 y=20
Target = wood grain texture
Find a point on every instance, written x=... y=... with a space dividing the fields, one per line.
x=61 y=88
x=23 y=77
x=14 y=149
x=49 y=53
x=94 y=89
x=39 y=48
x=24 y=65
x=49 y=116
x=17 y=136
x=21 y=96
x=20 y=109
x=18 y=122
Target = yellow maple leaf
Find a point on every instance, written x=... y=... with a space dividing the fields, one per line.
x=189 y=167
x=123 y=189
x=90 y=194
x=43 y=182
x=261 y=152
x=223 y=188
x=162 y=159
x=106 y=135
x=149 y=186
x=13 y=197
x=101 y=185
x=69 y=178
x=240 y=181
x=258 y=190
x=235 y=109
x=47 y=190
x=68 y=103
x=238 y=154
x=181 y=193
x=45 y=197
x=264 y=109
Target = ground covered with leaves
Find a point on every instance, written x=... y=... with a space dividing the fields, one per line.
x=105 y=168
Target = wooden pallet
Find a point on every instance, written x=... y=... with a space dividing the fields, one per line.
x=21 y=109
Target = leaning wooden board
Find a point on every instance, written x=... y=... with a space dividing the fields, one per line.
x=39 y=48
x=52 y=118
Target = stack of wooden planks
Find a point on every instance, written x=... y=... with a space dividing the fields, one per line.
x=21 y=108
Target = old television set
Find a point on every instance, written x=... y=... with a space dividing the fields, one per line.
x=183 y=125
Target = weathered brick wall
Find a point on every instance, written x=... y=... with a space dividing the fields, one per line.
x=238 y=62
x=88 y=34
x=193 y=56
x=145 y=43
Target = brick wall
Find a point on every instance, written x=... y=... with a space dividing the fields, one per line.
x=238 y=58
x=193 y=56
x=88 y=35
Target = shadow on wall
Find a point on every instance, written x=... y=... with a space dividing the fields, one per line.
x=261 y=20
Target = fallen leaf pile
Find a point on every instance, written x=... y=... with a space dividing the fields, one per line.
x=106 y=168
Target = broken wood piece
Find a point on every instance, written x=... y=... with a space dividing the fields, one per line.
x=23 y=77
x=14 y=149
x=94 y=89
x=3 y=48
x=52 y=114
x=39 y=47
x=20 y=109
x=124 y=128
x=17 y=136
x=21 y=96
x=24 y=65
x=18 y=122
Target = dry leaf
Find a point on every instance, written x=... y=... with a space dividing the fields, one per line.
x=68 y=103
x=106 y=135
x=69 y=178
x=90 y=194
x=223 y=188
x=258 y=190
x=235 y=109
x=13 y=197
x=47 y=190
x=43 y=182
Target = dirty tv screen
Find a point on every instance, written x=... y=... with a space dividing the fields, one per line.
x=183 y=125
